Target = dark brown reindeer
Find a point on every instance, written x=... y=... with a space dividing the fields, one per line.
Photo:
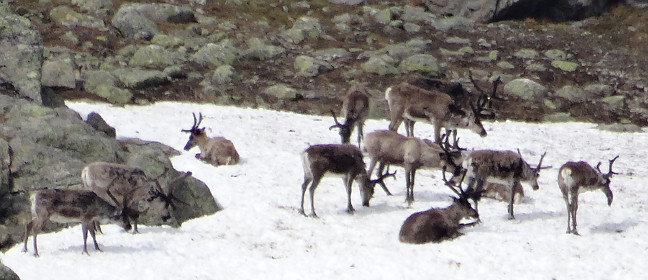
x=409 y=103
x=341 y=159
x=126 y=187
x=438 y=224
x=214 y=150
x=70 y=206
x=503 y=167
x=355 y=108
x=389 y=147
x=578 y=177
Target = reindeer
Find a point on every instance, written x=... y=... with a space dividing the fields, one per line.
x=503 y=167
x=355 y=108
x=436 y=225
x=215 y=150
x=67 y=206
x=342 y=159
x=578 y=177
x=410 y=104
x=389 y=147
x=114 y=182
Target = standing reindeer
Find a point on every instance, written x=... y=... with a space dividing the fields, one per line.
x=355 y=107
x=503 y=167
x=578 y=177
x=126 y=186
x=341 y=159
x=67 y=206
x=389 y=147
x=436 y=225
x=215 y=150
x=410 y=104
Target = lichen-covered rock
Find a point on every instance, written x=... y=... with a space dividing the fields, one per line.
x=304 y=28
x=281 y=91
x=224 y=74
x=572 y=94
x=566 y=66
x=136 y=20
x=424 y=63
x=7 y=274
x=310 y=67
x=140 y=79
x=258 y=49
x=223 y=53
x=525 y=89
x=58 y=68
x=154 y=56
x=66 y=16
x=381 y=65
x=21 y=47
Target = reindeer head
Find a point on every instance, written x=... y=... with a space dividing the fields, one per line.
x=604 y=180
x=194 y=132
x=466 y=210
x=345 y=129
x=368 y=186
x=533 y=173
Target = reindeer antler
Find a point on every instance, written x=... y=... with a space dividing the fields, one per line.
x=196 y=122
x=337 y=124
x=485 y=100
x=610 y=172
x=380 y=181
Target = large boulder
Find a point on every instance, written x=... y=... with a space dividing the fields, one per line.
x=495 y=10
x=43 y=147
x=21 y=46
x=7 y=274
x=138 y=21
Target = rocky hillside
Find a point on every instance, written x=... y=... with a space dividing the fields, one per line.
x=301 y=55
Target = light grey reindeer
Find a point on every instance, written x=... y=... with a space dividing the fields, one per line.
x=341 y=159
x=114 y=182
x=503 y=167
x=410 y=104
x=355 y=108
x=578 y=177
x=71 y=205
x=389 y=147
x=438 y=224
x=214 y=150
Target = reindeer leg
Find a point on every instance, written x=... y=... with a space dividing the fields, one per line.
x=360 y=133
x=316 y=182
x=348 y=182
x=84 y=229
x=512 y=199
x=304 y=186
x=566 y=198
x=94 y=237
x=574 y=209
x=28 y=228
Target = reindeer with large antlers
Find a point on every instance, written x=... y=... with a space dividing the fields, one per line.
x=504 y=167
x=578 y=177
x=68 y=206
x=215 y=150
x=126 y=186
x=341 y=159
x=409 y=103
x=355 y=107
x=389 y=147
x=435 y=225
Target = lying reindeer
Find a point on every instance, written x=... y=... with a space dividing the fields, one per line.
x=436 y=225
x=67 y=206
x=214 y=150
x=342 y=159
x=126 y=186
x=578 y=177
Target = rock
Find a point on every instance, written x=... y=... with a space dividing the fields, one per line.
x=598 y=90
x=555 y=54
x=566 y=66
x=454 y=24
x=613 y=103
x=154 y=56
x=423 y=63
x=347 y=2
x=330 y=55
x=137 y=20
x=224 y=74
x=304 y=28
x=21 y=47
x=223 y=53
x=66 y=16
x=140 y=79
x=98 y=123
x=7 y=274
x=58 y=68
x=526 y=54
x=572 y=94
x=620 y=127
x=525 y=89
x=381 y=65
x=310 y=67
x=258 y=49
x=281 y=91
